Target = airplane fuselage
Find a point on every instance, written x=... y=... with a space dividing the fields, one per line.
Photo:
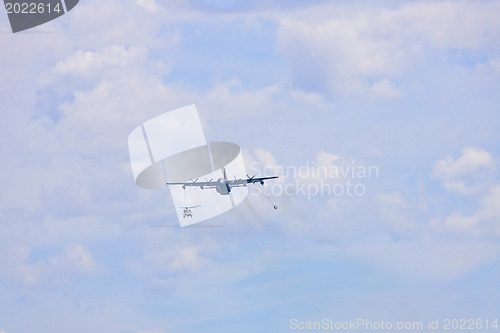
x=222 y=187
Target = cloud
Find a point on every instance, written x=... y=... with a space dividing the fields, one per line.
x=344 y=50
x=68 y=188
x=75 y=260
x=231 y=98
x=427 y=258
x=83 y=63
x=66 y=165
x=266 y=158
x=118 y=23
x=383 y=89
x=187 y=259
x=471 y=173
x=95 y=96
x=162 y=265
x=311 y=99
x=394 y=212
x=483 y=224
x=382 y=228
x=149 y=5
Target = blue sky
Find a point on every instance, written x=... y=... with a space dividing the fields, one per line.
x=409 y=87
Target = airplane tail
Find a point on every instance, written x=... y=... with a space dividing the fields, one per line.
x=225 y=177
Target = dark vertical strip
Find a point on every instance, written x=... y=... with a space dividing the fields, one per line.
x=210 y=156
x=147 y=144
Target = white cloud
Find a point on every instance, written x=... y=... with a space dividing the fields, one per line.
x=326 y=159
x=107 y=92
x=350 y=49
x=69 y=183
x=395 y=214
x=74 y=187
x=187 y=259
x=119 y=23
x=85 y=63
x=485 y=223
x=161 y=264
x=149 y=5
x=74 y=260
x=382 y=229
x=81 y=63
x=266 y=158
x=393 y=200
x=426 y=258
x=383 y=89
x=231 y=98
x=471 y=173
x=472 y=160
x=311 y=99
x=334 y=168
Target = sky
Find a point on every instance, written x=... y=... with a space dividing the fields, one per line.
x=381 y=118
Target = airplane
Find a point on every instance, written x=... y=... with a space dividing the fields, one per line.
x=187 y=211
x=223 y=185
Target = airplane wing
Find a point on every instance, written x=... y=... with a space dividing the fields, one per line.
x=207 y=184
x=250 y=180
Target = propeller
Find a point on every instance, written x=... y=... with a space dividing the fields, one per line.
x=208 y=181
x=194 y=181
x=250 y=178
